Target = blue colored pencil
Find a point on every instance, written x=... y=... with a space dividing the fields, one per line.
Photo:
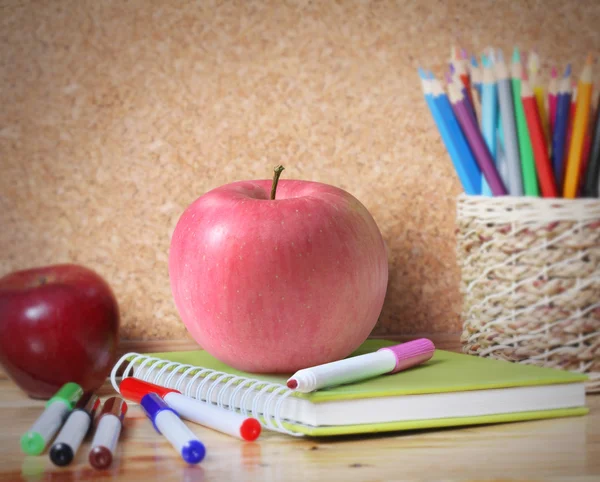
x=561 y=126
x=489 y=115
x=476 y=77
x=464 y=163
x=509 y=127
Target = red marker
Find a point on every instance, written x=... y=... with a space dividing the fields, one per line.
x=211 y=416
x=107 y=433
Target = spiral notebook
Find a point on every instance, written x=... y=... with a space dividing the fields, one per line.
x=451 y=389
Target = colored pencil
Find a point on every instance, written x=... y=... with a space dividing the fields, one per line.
x=475 y=70
x=585 y=154
x=464 y=163
x=559 y=138
x=552 y=93
x=530 y=184
x=501 y=164
x=533 y=64
x=580 y=124
x=572 y=110
x=475 y=139
x=538 y=141
x=489 y=115
x=460 y=71
x=509 y=129
x=592 y=174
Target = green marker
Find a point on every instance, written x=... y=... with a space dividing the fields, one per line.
x=530 y=181
x=34 y=441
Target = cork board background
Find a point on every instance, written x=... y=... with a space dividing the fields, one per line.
x=117 y=114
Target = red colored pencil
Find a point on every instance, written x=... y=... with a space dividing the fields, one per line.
x=538 y=141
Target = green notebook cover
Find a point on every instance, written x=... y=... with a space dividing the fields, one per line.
x=445 y=372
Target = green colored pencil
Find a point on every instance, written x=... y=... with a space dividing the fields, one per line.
x=530 y=182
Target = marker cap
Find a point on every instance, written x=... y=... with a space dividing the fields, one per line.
x=32 y=443
x=411 y=353
x=134 y=389
x=153 y=404
x=69 y=394
x=114 y=406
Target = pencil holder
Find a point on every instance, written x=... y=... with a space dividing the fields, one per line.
x=530 y=280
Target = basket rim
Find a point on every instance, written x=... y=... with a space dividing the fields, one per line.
x=527 y=209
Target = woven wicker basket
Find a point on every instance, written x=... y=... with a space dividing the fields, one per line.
x=530 y=278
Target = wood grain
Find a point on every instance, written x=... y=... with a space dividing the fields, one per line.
x=563 y=449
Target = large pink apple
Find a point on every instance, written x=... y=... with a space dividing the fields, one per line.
x=278 y=285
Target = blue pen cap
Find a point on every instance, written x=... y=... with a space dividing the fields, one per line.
x=153 y=404
x=193 y=452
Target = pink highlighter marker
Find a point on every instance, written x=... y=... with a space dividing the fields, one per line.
x=390 y=359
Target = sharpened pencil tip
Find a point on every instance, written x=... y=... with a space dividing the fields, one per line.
x=589 y=60
x=516 y=57
x=554 y=73
x=500 y=55
x=474 y=61
x=568 y=70
x=421 y=73
x=463 y=54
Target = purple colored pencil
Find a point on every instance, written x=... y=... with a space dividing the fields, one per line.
x=469 y=126
x=450 y=78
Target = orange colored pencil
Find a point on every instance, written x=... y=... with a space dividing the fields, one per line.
x=580 y=124
x=538 y=141
x=571 y=115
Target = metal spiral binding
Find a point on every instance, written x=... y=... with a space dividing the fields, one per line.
x=178 y=378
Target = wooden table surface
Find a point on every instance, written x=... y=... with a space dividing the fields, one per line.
x=562 y=449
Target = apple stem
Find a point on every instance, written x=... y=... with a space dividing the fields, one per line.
x=277 y=172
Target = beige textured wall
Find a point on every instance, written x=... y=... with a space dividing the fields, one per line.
x=117 y=114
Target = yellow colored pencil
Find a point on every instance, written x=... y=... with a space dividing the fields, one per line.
x=580 y=122
x=540 y=98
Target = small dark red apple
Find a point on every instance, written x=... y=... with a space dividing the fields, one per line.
x=58 y=324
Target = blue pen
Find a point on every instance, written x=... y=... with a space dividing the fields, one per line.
x=561 y=125
x=166 y=421
x=460 y=154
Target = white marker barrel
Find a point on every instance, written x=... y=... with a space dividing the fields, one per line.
x=167 y=422
x=49 y=422
x=344 y=371
x=74 y=430
x=388 y=359
x=107 y=433
x=231 y=423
